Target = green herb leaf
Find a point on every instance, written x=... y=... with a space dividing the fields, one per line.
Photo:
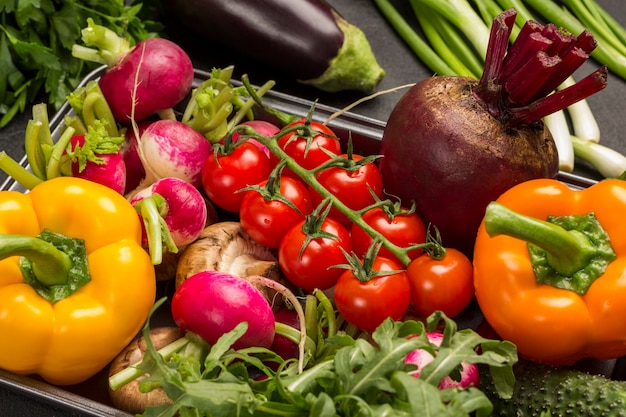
x=36 y=37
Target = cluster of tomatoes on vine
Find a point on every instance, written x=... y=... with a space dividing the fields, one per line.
x=325 y=213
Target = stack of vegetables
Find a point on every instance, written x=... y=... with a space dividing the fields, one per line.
x=312 y=218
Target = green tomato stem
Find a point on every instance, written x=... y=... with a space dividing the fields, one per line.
x=308 y=176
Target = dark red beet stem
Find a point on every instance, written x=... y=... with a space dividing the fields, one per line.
x=545 y=106
x=516 y=85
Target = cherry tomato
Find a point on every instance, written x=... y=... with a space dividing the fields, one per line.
x=295 y=145
x=404 y=229
x=267 y=221
x=366 y=304
x=445 y=284
x=313 y=267
x=352 y=187
x=223 y=177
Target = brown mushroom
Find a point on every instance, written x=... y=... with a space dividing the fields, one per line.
x=128 y=398
x=226 y=247
x=166 y=270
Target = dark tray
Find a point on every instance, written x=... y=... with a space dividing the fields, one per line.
x=29 y=396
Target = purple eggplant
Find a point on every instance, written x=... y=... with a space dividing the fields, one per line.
x=305 y=39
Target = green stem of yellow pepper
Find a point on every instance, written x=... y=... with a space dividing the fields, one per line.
x=53 y=264
x=567 y=252
x=49 y=264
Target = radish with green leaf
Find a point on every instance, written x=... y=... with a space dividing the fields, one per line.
x=150 y=77
x=173 y=213
x=96 y=157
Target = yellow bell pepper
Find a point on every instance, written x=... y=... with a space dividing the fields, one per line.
x=59 y=318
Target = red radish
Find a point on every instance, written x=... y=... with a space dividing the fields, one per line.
x=212 y=303
x=282 y=345
x=173 y=207
x=454 y=144
x=152 y=76
x=169 y=148
x=135 y=172
x=95 y=157
x=470 y=375
x=261 y=126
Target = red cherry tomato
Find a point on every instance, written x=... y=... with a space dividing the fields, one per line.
x=268 y=221
x=354 y=188
x=295 y=145
x=404 y=229
x=223 y=177
x=445 y=284
x=367 y=304
x=312 y=267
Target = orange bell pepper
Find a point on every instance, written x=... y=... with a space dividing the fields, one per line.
x=550 y=270
x=76 y=286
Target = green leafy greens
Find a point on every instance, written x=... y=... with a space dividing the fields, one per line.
x=363 y=376
x=36 y=39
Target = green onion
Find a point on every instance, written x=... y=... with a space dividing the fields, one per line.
x=608 y=162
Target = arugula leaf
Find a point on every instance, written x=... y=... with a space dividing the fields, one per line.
x=364 y=376
x=36 y=38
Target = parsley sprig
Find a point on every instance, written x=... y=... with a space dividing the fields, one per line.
x=36 y=38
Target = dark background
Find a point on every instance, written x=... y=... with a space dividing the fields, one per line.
x=23 y=396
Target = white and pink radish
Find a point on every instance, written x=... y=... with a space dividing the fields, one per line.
x=212 y=303
x=261 y=126
x=173 y=213
x=150 y=77
x=170 y=148
x=469 y=374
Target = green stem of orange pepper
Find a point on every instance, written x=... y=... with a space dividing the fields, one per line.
x=567 y=252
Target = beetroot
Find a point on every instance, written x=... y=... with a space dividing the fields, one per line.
x=453 y=144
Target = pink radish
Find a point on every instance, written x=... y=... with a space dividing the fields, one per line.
x=95 y=157
x=283 y=346
x=173 y=212
x=135 y=172
x=169 y=148
x=469 y=374
x=264 y=128
x=212 y=303
x=152 y=76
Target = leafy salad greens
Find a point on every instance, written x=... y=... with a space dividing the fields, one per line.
x=365 y=376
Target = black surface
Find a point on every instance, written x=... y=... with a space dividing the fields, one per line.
x=401 y=67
